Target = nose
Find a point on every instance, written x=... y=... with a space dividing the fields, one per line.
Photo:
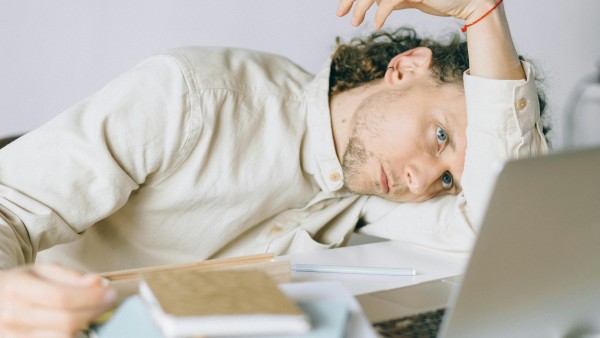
x=422 y=172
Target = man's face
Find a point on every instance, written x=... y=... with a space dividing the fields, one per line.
x=408 y=144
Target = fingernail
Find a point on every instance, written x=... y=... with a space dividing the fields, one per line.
x=110 y=295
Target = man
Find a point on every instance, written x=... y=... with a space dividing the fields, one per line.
x=203 y=153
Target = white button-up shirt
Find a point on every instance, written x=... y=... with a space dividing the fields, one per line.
x=202 y=153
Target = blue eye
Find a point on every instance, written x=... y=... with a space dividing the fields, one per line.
x=441 y=135
x=447 y=180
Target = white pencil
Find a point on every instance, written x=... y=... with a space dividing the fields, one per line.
x=364 y=270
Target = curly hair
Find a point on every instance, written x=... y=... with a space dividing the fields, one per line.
x=365 y=59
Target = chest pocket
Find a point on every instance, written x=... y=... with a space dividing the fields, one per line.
x=319 y=226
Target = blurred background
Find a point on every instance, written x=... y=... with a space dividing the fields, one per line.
x=55 y=53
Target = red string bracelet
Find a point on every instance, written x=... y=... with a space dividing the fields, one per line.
x=464 y=29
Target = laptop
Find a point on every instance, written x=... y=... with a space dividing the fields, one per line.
x=534 y=270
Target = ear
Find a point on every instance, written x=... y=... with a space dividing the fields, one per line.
x=412 y=63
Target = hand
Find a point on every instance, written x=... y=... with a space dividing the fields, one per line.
x=50 y=301
x=460 y=9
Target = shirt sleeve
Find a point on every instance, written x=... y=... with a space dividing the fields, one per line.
x=503 y=122
x=83 y=165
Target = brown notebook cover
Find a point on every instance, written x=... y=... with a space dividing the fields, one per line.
x=232 y=302
x=127 y=281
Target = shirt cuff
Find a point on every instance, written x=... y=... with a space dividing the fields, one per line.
x=517 y=100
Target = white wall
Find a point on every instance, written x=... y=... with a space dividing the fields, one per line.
x=54 y=53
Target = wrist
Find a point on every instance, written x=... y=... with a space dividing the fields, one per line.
x=477 y=9
x=481 y=10
x=492 y=53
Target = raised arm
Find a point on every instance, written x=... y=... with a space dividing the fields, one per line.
x=491 y=51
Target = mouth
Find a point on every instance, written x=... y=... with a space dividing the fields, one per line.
x=383 y=181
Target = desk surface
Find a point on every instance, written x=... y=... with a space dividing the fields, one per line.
x=428 y=264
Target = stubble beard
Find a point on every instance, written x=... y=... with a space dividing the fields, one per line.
x=368 y=122
x=354 y=159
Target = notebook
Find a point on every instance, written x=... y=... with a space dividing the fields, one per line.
x=333 y=312
x=220 y=303
x=534 y=270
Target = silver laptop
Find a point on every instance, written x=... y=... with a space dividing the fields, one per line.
x=534 y=270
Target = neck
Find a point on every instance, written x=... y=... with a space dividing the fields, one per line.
x=342 y=107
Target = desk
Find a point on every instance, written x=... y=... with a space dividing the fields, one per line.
x=428 y=264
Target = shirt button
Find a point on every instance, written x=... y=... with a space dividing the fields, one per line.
x=335 y=176
x=521 y=104
x=276 y=230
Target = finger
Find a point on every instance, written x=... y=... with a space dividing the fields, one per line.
x=383 y=12
x=20 y=332
x=386 y=8
x=344 y=7
x=22 y=316
x=66 y=276
x=360 y=10
x=30 y=288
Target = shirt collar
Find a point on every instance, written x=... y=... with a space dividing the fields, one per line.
x=319 y=157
